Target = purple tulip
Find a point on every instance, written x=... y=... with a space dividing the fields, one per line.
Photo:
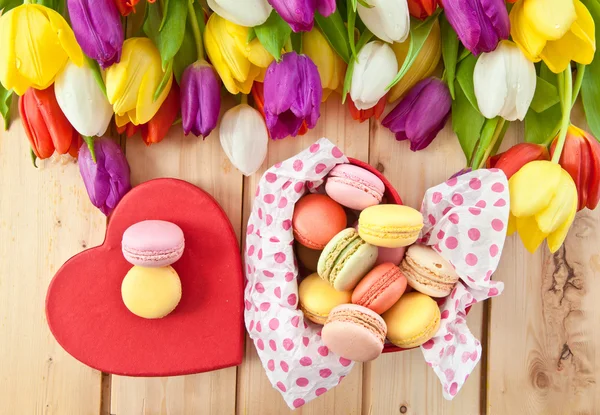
x=293 y=94
x=98 y=30
x=106 y=180
x=421 y=114
x=300 y=14
x=479 y=24
x=200 y=99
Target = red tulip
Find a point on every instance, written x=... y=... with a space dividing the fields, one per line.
x=421 y=9
x=363 y=115
x=581 y=159
x=128 y=6
x=516 y=157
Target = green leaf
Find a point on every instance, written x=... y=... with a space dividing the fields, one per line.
x=96 y=72
x=164 y=19
x=449 y=51
x=169 y=39
x=6 y=5
x=58 y=5
x=590 y=88
x=467 y=122
x=362 y=41
x=164 y=81
x=465 y=52
x=418 y=35
x=186 y=55
x=251 y=35
x=485 y=140
x=351 y=25
x=365 y=4
x=296 y=42
x=273 y=34
x=546 y=96
x=541 y=128
x=354 y=4
x=464 y=76
x=335 y=32
x=5 y=101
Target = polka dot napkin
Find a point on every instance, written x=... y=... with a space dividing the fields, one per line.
x=465 y=221
x=296 y=361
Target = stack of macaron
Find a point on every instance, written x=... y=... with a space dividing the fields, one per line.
x=152 y=288
x=368 y=281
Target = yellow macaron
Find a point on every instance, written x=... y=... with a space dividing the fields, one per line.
x=151 y=292
x=317 y=298
x=390 y=226
x=413 y=320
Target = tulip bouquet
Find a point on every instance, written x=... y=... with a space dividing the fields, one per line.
x=75 y=71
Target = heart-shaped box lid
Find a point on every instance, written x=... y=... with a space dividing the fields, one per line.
x=205 y=332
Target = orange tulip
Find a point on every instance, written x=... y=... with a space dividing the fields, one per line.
x=363 y=115
x=259 y=100
x=581 y=159
x=516 y=157
x=421 y=9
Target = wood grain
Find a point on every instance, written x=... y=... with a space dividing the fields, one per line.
x=203 y=163
x=45 y=218
x=544 y=338
x=255 y=393
x=403 y=381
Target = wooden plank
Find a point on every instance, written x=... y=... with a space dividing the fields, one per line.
x=203 y=163
x=543 y=341
x=45 y=218
x=402 y=381
x=255 y=393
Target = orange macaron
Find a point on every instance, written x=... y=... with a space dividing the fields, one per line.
x=380 y=288
x=317 y=218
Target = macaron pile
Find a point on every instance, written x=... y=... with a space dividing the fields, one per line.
x=372 y=281
x=152 y=288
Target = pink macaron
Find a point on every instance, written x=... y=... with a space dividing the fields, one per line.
x=354 y=332
x=354 y=187
x=153 y=243
x=380 y=288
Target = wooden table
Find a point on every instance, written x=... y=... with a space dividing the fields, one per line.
x=541 y=338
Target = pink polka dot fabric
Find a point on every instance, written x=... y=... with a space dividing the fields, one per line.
x=295 y=359
x=470 y=215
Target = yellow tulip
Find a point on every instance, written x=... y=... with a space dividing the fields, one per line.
x=35 y=44
x=543 y=203
x=555 y=31
x=237 y=62
x=332 y=68
x=131 y=83
x=426 y=62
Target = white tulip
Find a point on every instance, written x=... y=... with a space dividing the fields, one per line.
x=247 y=13
x=389 y=20
x=82 y=101
x=504 y=82
x=375 y=68
x=244 y=138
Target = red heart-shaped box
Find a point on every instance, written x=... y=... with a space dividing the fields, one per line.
x=205 y=332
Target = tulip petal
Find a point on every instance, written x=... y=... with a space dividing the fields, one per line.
x=490 y=79
x=530 y=234
x=299 y=14
x=550 y=18
x=389 y=20
x=326 y=7
x=593 y=196
x=66 y=37
x=533 y=187
x=556 y=238
x=146 y=107
x=249 y=13
x=524 y=35
x=512 y=224
x=375 y=69
x=560 y=206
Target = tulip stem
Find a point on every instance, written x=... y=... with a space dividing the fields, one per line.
x=493 y=141
x=565 y=89
x=196 y=29
x=578 y=82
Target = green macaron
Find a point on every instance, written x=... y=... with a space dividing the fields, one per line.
x=346 y=259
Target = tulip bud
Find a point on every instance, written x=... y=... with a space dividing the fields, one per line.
x=504 y=82
x=45 y=125
x=332 y=67
x=97 y=27
x=300 y=14
x=247 y=13
x=479 y=24
x=389 y=20
x=200 y=99
x=421 y=9
x=35 y=44
x=363 y=115
x=421 y=114
x=581 y=159
x=424 y=65
x=259 y=100
x=82 y=101
x=516 y=157
x=107 y=179
x=244 y=138
x=375 y=69
x=293 y=95
x=543 y=203
x=155 y=130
